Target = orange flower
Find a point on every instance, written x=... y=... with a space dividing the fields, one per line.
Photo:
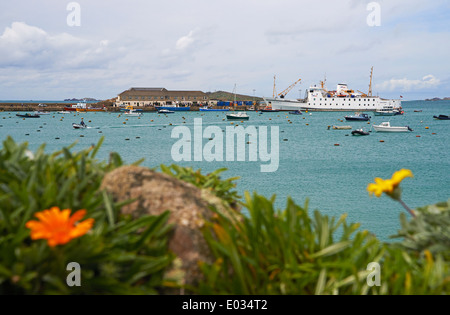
x=57 y=227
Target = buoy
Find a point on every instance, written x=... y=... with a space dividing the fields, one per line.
x=418 y=136
x=138 y=137
x=27 y=134
x=90 y=121
x=81 y=136
x=382 y=141
x=434 y=133
x=56 y=138
x=307 y=124
x=100 y=132
x=427 y=128
x=127 y=139
x=337 y=145
x=124 y=123
x=285 y=139
x=211 y=139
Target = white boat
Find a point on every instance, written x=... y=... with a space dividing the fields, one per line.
x=41 y=113
x=64 y=112
x=133 y=113
x=386 y=127
x=318 y=98
x=386 y=111
x=165 y=111
x=238 y=116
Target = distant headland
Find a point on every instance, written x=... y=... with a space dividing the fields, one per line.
x=86 y=99
x=437 y=99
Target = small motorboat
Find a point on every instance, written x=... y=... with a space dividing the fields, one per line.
x=41 y=113
x=28 y=115
x=442 y=117
x=296 y=112
x=358 y=117
x=165 y=111
x=79 y=126
x=360 y=132
x=386 y=127
x=238 y=116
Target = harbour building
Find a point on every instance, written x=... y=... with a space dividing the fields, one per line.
x=144 y=97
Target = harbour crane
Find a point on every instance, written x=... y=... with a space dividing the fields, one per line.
x=285 y=92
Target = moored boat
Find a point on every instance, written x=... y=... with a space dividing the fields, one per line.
x=296 y=112
x=133 y=113
x=360 y=132
x=238 y=116
x=386 y=127
x=442 y=117
x=28 y=115
x=165 y=111
x=358 y=117
x=174 y=108
x=209 y=109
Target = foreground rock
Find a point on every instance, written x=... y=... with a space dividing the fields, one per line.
x=156 y=193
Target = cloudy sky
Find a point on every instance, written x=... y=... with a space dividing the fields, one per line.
x=212 y=45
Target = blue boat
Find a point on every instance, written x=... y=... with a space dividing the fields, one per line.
x=174 y=108
x=358 y=117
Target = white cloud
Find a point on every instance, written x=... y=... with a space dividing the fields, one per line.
x=185 y=41
x=25 y=46
x=406 y=85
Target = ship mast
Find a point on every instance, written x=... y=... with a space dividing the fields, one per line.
x=370 y=85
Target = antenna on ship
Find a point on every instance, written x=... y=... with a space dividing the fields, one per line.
x=370 y=85
x=274 y=86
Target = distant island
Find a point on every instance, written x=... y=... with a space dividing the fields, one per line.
x=86 y=99
x=437 y=99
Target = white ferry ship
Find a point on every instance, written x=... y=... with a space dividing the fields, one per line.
x=318 y=98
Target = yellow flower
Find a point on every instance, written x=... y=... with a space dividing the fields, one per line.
x=388 y=186
x=380 y=187
x=57 y=227
x=399 y=176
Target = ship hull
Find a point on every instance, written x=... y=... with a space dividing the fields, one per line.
x=347 y=104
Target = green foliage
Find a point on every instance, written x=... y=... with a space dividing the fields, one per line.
x=119 y=255
x=223 y=189
x=265 y=252
x=429 y=231
x=289 y=252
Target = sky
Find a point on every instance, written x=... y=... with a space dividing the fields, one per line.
x=56 y=49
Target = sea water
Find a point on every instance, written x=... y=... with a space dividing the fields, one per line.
x=311 y=167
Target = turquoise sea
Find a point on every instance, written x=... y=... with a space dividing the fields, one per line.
x=333 y=178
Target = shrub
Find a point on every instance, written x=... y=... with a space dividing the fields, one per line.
x=118 y=255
